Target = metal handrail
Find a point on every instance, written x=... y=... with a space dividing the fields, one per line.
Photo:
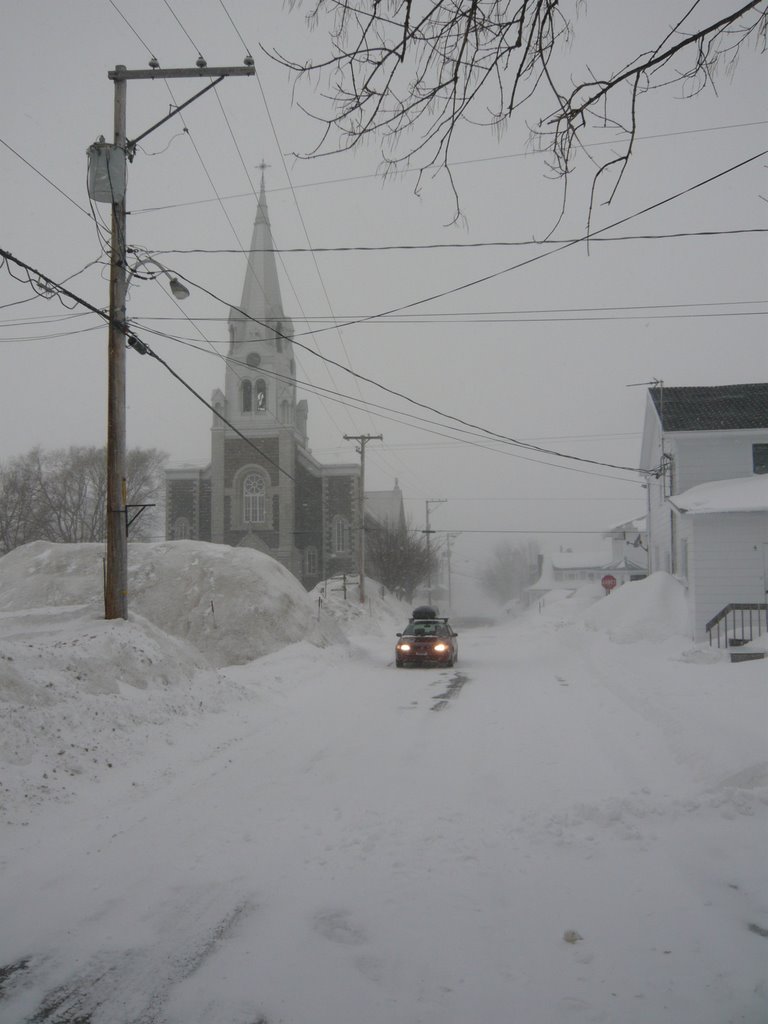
x=748 y=627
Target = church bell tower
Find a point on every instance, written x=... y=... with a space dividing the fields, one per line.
x=253 y=480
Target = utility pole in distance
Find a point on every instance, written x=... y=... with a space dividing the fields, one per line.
x=428 y=532
x=116 y=573
x=363 y=440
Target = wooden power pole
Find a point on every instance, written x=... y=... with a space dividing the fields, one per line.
x=116 y=576
x=362 y=440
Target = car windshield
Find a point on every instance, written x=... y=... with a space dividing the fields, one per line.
x=426 y=629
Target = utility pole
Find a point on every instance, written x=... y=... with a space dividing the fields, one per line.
x=363 y=440
x=116 y=575
x=449 y=538
x=428 y=532
x=116 y=583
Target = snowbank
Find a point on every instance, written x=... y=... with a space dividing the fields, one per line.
x=651 y=609
x=382 y=615
x=231 y=604
x=80 y=695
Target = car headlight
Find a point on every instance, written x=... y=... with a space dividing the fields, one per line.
x=440 y=648
x=403 y=647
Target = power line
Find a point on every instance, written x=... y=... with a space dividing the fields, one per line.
x=471 y=245
x=588 y=237
x=513 y=316
x=46 y=179
x=378 y=175
x=412 y=421
x=473 y=430
x=139 y=346
x=487 y=277
x=493 y=434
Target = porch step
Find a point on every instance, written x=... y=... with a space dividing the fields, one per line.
x=747 y=655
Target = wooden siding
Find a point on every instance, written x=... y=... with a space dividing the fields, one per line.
x=725 y=560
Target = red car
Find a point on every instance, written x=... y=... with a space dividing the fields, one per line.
x=427 y=640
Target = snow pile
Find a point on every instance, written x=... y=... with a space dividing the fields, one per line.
x=651 y=609
x=382 y=615
x=80 y=695
x=232 y=604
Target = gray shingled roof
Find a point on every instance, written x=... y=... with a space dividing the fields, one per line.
x=725 y=407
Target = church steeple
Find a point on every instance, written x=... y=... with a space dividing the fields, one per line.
x=259 y=390
x=261 y=298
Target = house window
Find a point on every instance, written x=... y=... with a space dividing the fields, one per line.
x=340 y=535
x=254 y=499
x=310 y=562
x=684 y=559
x=760 y=458
x=261 y=396
x=246 y=396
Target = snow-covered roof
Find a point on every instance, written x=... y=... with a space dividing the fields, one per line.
x=630 y=526
x=742 y=494
x=579 y=559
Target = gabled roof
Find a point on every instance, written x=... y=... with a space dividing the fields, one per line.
x=386 y=507
x=725 y=407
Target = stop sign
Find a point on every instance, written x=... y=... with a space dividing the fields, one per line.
x=609 y=582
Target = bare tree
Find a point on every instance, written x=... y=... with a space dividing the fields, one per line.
x=412 y=71
x=21 y=518
x=398 y=559
x=60 y=495
x=509 y=571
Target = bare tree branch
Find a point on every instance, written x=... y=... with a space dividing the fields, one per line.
x=411 y=72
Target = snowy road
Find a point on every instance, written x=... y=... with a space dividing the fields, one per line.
x=360 y=845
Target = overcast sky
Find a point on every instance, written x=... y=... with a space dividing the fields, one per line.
x=546 y=352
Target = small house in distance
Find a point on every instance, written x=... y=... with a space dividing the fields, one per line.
x=569 y=570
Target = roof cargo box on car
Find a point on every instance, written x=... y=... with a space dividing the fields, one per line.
x=424 y=612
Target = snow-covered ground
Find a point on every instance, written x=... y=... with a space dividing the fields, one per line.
x=274 y=824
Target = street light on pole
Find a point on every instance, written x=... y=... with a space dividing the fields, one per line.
x=178 y=289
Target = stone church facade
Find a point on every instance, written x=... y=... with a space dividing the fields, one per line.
x=263 y=488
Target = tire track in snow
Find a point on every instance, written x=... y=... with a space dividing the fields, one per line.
x=131 y=984
x=452 y=690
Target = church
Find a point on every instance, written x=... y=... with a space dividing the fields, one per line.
x=263 y=488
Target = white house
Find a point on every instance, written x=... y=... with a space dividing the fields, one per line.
x=705 y=450
x=569 y=570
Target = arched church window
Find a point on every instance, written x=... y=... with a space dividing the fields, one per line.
x=285 y=411
x=341 y=535
x=279 y=335
x=261 y=396
x=293 y=368
x=246 y=396
x=181 y=529
x=254 y=499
